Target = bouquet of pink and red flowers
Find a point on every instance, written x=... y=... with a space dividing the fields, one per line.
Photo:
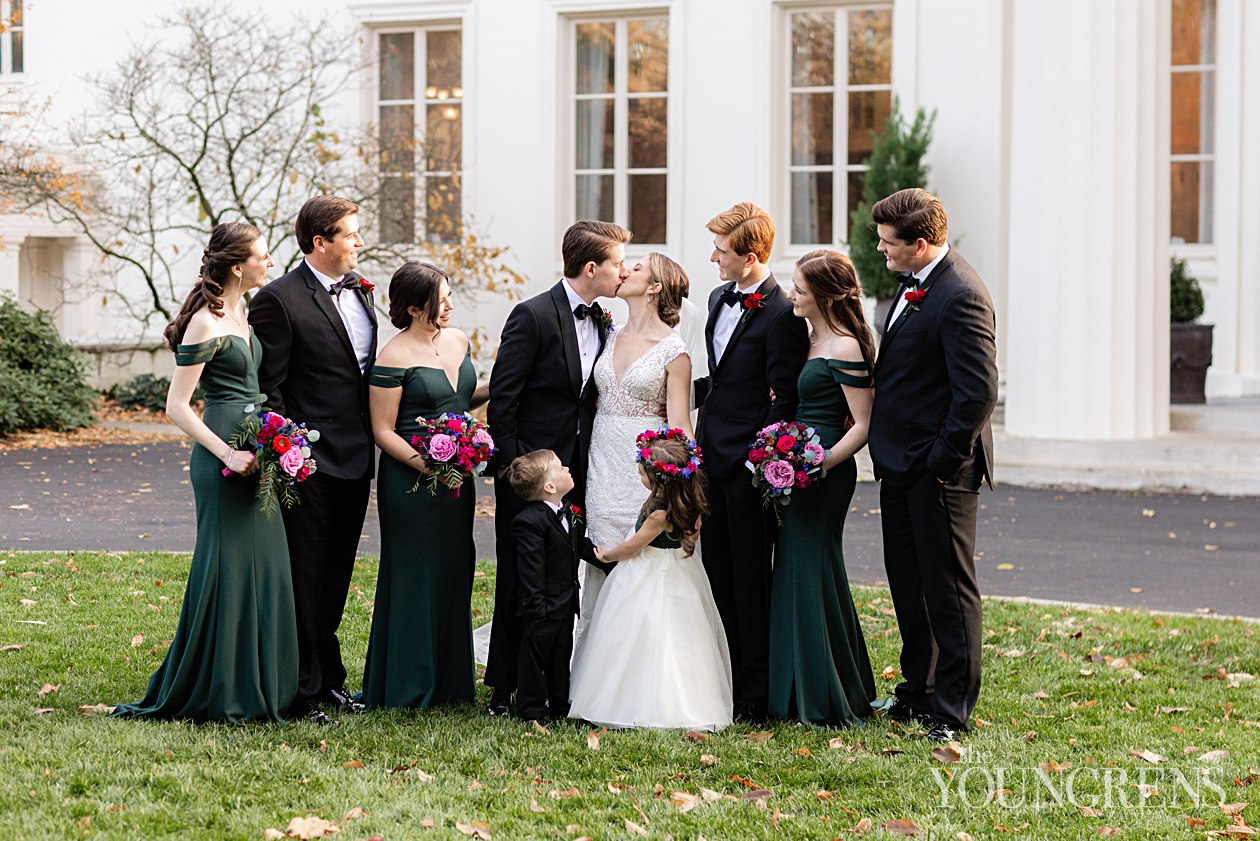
x=785 y=456
x=283 y=450
x=453 y=447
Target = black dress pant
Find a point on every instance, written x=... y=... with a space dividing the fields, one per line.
x=929 y=543
x=505 y=633
x=542 y=671
x=737 y=545
x=323 y=534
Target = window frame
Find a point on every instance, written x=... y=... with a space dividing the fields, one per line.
x=840 y=89
x=621 y=96
x=1202 y=248
x=6 y=39
x=420 y=103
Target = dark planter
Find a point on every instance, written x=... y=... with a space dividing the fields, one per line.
x=1191 y=352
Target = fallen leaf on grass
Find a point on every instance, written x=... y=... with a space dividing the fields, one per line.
x=1012 y=829
x=1108 y=831
x=1051 y=766
x=354 y=763
x=1148 y=756
x=837 y=744
x=541 y=729
x=759 y=794
x=1233 y=808
x=863 y=826
x=354 y=814
x=534 y=807
x=569 y=792
x=618 y=788
x=949 y=754
x=901 y=826
x=759 y=736
x=14 y=647
x=90 y=709
x=822 y=794
x=476 y=829
x=802 y=752
x=962 y=836
x=744 y=781
x=633 y=828
x=1171 y=710
x=684 y=801
x=475 y=785
x=1147 y=791
x=137 y=640
x=307 y=827
x=47 y=689
x=1214 y=756
x=592 y=738
x=26 y=602
x=708 y=760
x=1090 y=812
x=43 y=710
x=271 y=834
x=697 y=736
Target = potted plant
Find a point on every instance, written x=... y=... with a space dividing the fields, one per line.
x=896 y=162
x=1191 y=343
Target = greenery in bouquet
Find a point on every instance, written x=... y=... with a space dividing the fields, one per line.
x=453 y=447
x=283 y=450
x=785 y=456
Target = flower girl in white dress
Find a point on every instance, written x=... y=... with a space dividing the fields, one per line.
x=655 y=653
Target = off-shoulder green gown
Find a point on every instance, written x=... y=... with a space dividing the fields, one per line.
x=420 y=653
x=234 y=655
x=820 y=672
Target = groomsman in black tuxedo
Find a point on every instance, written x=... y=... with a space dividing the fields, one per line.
x=932 y=447
x=542 y=397
x=317 y=326
x=756 y=351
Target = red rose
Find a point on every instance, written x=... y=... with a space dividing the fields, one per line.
x=757 y=456
x=575 y=510
x=274 y=421
x=916 y=296
x=366 y=284
x=785 y=444
x=281 y=444
x=265 y=434
x=454 y=425
x=303 y=472
x=754 y=301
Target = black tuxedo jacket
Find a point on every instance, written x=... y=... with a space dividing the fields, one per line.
x=936 y=383
x=537 y=397
x=309 y=371
x=547 y=562
x=765 y=352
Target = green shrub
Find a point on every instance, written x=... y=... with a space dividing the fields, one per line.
x=41 y=376
x=143 y=391
x=896 y=162
x=1186 y=298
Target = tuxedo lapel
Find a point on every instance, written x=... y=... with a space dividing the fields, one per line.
x=712 y=323
x=324 y=302
x=568 y=335
x=768 y=290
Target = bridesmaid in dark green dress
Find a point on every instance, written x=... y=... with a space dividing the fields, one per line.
x=420 y=653
x=234 y=655
x=820 y=672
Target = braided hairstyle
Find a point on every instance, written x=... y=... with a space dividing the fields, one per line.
x=231 y=244
x=683 y=499
x=834 y=284
x=674 y=286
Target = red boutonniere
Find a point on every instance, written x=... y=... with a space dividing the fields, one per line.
x=366 y=285
x=914 y=297
x=574 y=514
x=751 y=302
x=605 y=322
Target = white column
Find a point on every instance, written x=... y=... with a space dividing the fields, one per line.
x=1087 y=320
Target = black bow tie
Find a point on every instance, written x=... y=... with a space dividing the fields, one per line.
x=732 y=296
x=348 y=282
x=908 y=279
x=582 y=312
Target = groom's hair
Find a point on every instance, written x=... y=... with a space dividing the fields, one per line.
x=914 y=214
x=750 y=229
x=528 y=473
x=590 y=241
x=319 y=217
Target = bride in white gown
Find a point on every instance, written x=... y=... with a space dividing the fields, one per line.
x=644 y=381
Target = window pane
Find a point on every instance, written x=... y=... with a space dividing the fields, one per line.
x=398 y=209
x=443 y=64
x=595 y=135
x=868 y=111
x=812 y=124
x=595 y=197
x=398 y=66
x=595 y=57
x=1191 y=201
x=1193 y=120
x=16 y=40
x=1194 y=32
x=648 y=132
x=813 y=49
x=648 y=55
x=855 y=198
x=398 y=138
x=442 y=208
x=443 y=137
x=811 y=207
x=870 y=47
x=647 y=208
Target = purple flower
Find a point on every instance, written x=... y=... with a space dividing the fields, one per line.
x=482 y=437
x=779 y=474
x=442 y=447
x=814 y=454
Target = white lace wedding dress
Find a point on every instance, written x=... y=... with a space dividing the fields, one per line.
x=651 y=651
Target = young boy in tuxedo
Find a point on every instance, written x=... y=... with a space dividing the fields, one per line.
x=550 y=541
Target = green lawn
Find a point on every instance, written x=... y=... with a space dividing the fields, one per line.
x=1069 y=697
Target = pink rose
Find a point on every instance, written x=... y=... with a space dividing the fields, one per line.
x=442 y=447
x=779 y=474
x=814 y=454
x=482 y=438
x=291 y=461
x=454 y=424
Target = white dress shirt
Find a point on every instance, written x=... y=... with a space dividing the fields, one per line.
x=555 y=509
x=353 y=315
x=728 y=319
x=587 y=333
x=920 y=276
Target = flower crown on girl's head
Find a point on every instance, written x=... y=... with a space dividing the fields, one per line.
x=665 y=470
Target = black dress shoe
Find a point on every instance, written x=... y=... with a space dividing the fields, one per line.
x=942 y=732
x=345 y=700
x=311 y=711
x=901 y=711
x=499 y=703
x=750 y=713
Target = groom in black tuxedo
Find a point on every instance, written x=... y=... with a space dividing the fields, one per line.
x=317 y=326
x=932 y=446
x=542 y=397
x=756 y=351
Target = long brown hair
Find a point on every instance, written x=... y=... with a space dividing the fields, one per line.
x=834 y=283
x=683 y=499
x=674 y=286
x=231 y=244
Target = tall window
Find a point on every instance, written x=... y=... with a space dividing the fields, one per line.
x=12 y=58
x=420 y=110
x=1193 y=119
x=840 y=90
x=621 y=126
